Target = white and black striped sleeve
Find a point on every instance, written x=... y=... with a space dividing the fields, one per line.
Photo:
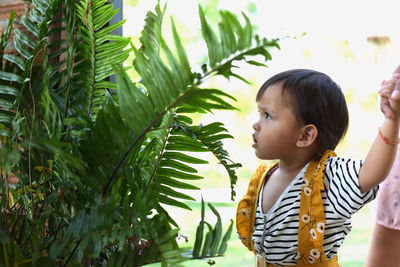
x=342 y=187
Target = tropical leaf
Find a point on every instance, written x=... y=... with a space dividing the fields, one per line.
x=217 y=232
x=224 y=242
x=199 y=233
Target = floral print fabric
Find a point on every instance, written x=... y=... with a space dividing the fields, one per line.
x=388 y=200
x=246 y=209
x=312 y=216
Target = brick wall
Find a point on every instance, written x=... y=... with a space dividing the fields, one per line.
x=20 y=7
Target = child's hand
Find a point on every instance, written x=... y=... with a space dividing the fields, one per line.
x=390 y=95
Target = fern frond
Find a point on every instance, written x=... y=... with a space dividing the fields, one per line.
x=152 y=21
x=211 y=136
x=205 y=100
x=102 y=48
x=156 y=169
x=234 y=43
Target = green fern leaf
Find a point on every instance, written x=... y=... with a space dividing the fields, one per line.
x=30 y=26
x=8 y=90
x=210 y=136
x=172 y=202
x=25 y=39
x=177 y=174
x=168 y=191
x=184 y=157
x=175 y=183
x=213 y=45
x=11 y=77
x=177 y=165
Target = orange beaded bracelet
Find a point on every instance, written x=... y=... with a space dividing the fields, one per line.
x=386 y=140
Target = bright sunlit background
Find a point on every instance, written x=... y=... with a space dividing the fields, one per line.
x=356 y=42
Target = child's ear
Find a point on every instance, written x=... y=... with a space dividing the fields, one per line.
x=308 y=135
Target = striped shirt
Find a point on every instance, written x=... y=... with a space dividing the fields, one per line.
x=341 y=199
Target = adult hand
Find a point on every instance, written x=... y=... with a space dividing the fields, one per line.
x=395 y=97
x=390 y=102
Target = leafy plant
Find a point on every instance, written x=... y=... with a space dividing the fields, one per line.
x=213 y=244
x=98 y=161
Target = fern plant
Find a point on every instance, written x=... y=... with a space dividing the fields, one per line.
x=98 y=161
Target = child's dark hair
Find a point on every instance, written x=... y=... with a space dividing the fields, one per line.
x=316 y=99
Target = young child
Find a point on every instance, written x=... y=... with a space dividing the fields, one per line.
x=296 y=212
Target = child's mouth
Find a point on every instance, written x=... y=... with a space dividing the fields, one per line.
x=254 y=142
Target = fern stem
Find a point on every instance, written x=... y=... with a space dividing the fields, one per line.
x=70 y=58
x=67 y=102
x=73 y=251
x=93 y=84
x=94 y=65
x=126 y=154
x=69 y=81
x=21 y=231
x=5 y=183
x=30 y=135
x=158 y=161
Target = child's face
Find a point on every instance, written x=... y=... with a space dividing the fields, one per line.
x=277 y=130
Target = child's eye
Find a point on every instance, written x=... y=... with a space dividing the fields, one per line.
x=264 y=114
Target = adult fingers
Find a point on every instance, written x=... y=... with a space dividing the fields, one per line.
x=390 y=82
x=385 y=107
x=397 y=70
x=385 y=92
x=396 y=91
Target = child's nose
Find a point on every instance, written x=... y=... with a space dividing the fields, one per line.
x=256 y=126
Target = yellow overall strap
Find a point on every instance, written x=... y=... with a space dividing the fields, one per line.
x=246 y=211
x=330 y=263
x=312 y=216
